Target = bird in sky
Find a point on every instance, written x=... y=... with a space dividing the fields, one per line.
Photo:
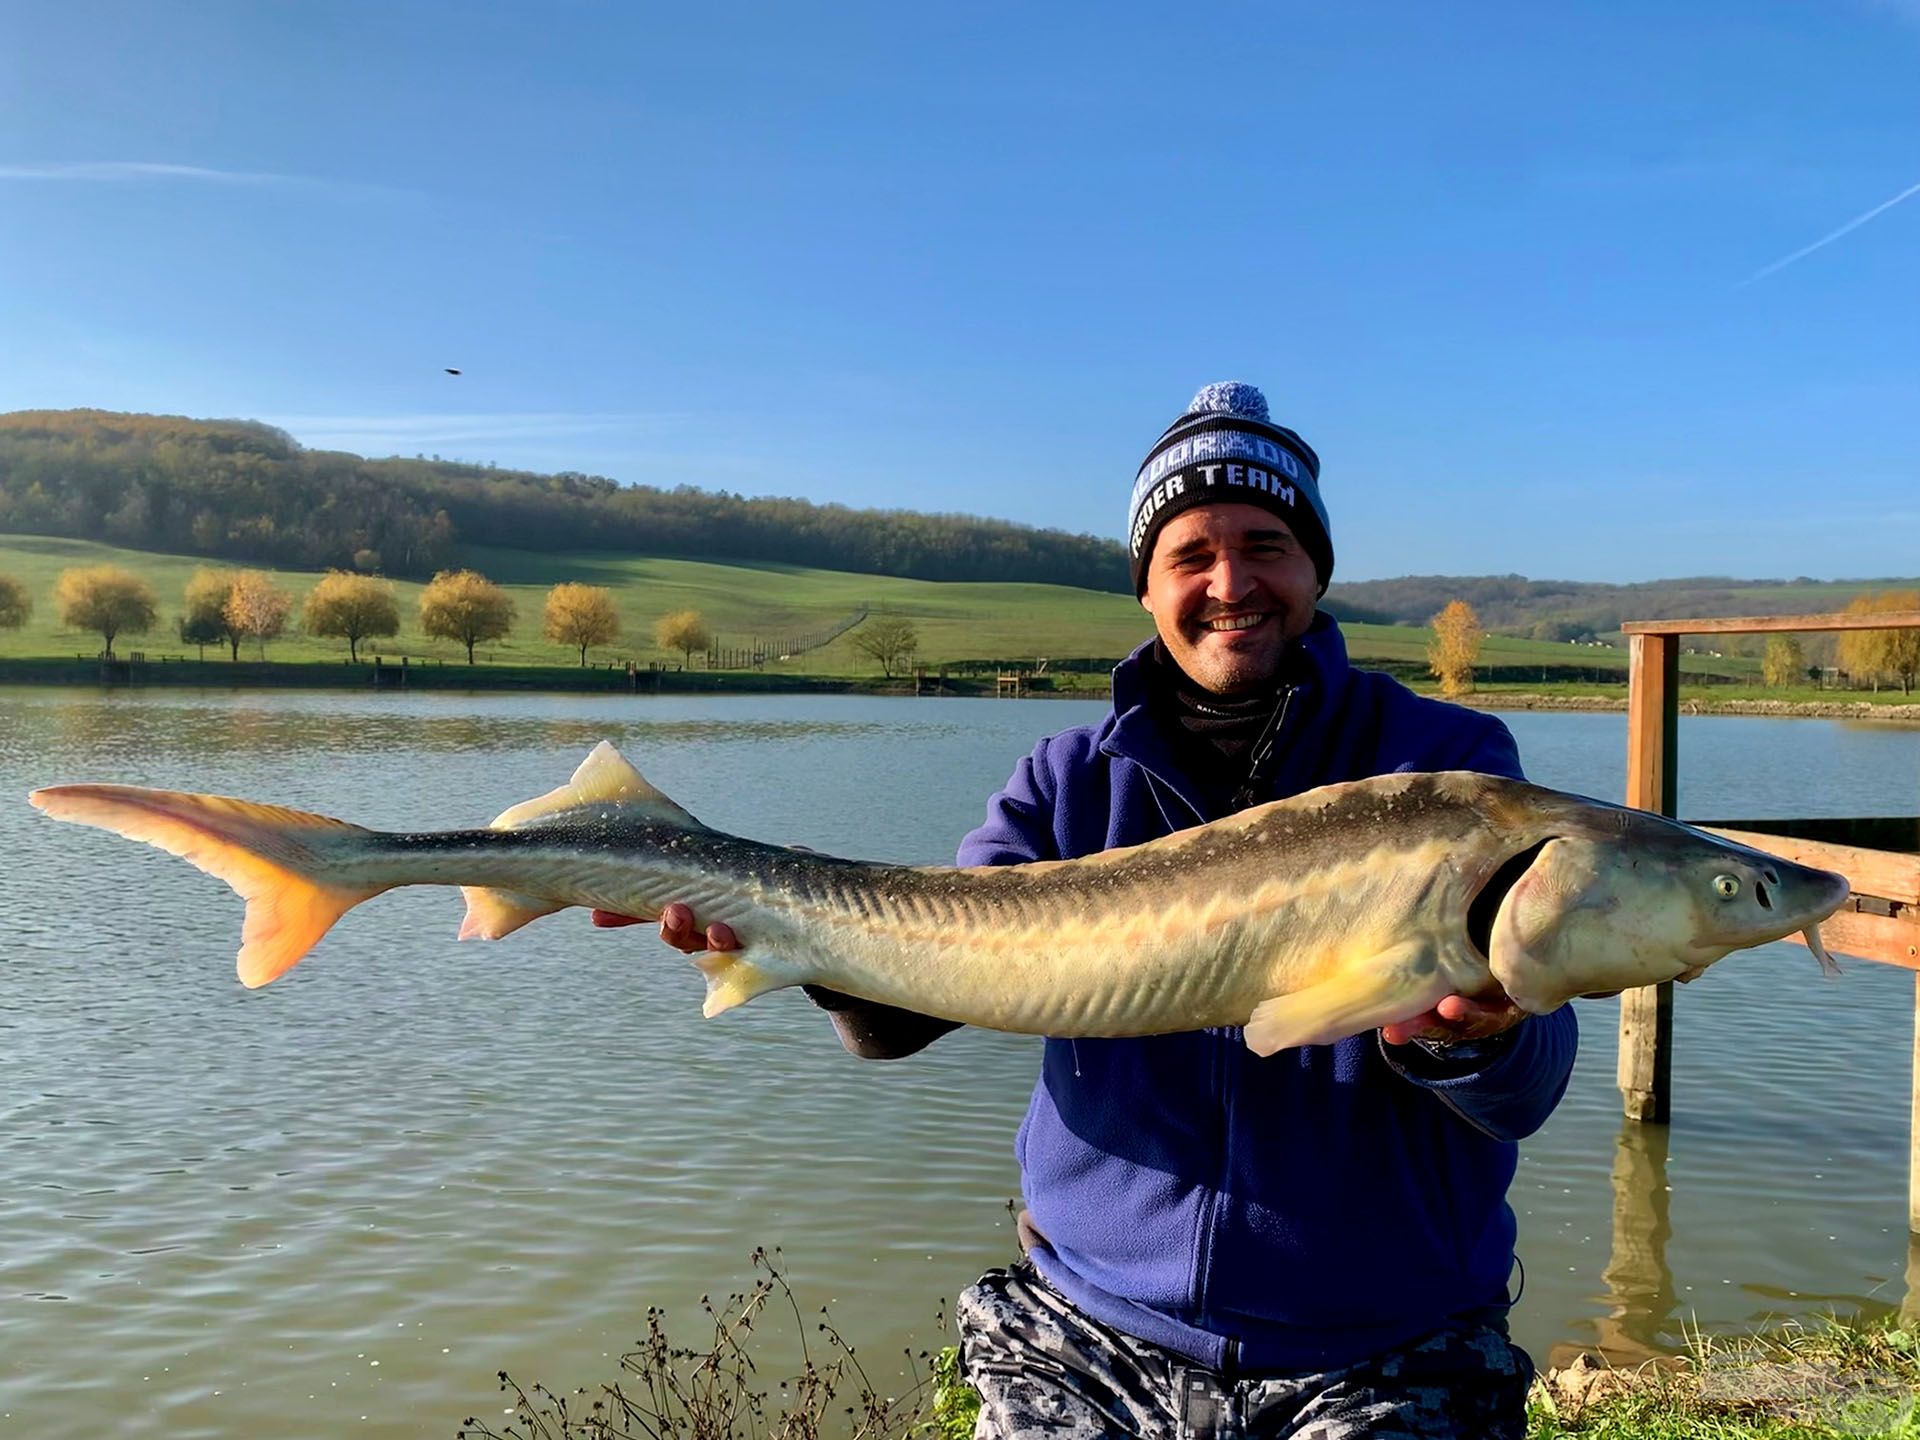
x=451 y=370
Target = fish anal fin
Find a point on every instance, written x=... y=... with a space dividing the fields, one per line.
x=492 y=914
x=732 y=980
x=1396 y=984
x=604 y=778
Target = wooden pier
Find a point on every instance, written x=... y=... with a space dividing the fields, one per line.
x=1879 y=855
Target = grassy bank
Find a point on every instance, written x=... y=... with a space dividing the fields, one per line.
x=956 y=622
x=1809 y=1382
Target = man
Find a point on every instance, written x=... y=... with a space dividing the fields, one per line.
x=1312 y=1244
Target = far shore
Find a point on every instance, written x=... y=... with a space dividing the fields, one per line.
x=1889 y=711
x=1892 y=708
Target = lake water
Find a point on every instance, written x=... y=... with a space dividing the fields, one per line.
x=345 y=1201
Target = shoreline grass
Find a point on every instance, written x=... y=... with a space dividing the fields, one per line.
x=1810 y=1381
x=774 y=1369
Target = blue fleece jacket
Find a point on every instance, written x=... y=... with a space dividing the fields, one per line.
x=1298 y=1212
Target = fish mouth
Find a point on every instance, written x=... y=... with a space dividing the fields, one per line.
x=1484 y=908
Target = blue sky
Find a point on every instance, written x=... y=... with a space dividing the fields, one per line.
x=1514 y=270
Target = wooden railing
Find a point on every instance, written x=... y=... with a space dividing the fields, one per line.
x=1879 y=855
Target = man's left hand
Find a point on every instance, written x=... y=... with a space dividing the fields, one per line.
x=1458 y=1017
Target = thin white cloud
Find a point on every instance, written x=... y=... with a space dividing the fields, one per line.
x=122 y=170
x=1825 y=240
x=367 y=433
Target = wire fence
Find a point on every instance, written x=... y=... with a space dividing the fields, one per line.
x=755 y=654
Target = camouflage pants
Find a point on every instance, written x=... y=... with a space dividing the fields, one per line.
x=1044 y=1368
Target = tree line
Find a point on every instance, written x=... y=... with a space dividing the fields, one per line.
x=1563 y=610
x=247 y=491
x=1863 y=657
x=231 y=608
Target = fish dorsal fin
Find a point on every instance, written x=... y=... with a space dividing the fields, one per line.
x=604 y=778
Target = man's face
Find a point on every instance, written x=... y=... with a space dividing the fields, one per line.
x=1229 y=588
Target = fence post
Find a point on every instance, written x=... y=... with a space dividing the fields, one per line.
x=1645 y=1073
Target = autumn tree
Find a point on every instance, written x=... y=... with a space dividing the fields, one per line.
x=257 y=608
x=581 y=615
x=205 y=620
x=1785 y=662
x=15 y=604
x=464 y=605
x=683 y=630
x=1874 y=655
x=1858 y=651
x=1894 y=654
x=105 y=599
x=350 y=608
x=1454 y=647
x=889 y=639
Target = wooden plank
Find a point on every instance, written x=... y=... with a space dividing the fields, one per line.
x=1788 y=624
x=1869 y=872
x=1899 y=833
x=1645 y=1068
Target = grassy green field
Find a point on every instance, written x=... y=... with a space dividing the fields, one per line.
x=742 y=601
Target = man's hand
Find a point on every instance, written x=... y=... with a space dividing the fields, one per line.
x=1457 y=1017
x=677 y=929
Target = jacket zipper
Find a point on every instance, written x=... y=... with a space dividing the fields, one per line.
x=1225 y=1069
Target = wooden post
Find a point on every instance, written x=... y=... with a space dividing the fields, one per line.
x=1913 y=1130
x=1645 y=1072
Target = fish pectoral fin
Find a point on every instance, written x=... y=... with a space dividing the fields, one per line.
x=492 y=914
x=604 y=778
x=1396 y=984
x=732 y=980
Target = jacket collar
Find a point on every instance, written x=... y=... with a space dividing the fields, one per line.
x=1320 y=674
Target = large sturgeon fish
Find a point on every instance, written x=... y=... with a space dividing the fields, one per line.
x=1306 y=920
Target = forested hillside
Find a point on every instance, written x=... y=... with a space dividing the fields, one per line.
x=245 y=491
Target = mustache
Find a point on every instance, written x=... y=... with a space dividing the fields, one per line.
x=1227 y=612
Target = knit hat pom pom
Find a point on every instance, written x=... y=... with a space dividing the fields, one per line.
x=1231 y=397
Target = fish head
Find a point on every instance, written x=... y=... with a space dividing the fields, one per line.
x=1636 y=901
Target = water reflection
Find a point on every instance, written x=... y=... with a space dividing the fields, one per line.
x=1640 y=1297
x=103 y=733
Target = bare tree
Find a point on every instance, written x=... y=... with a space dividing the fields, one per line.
x=889 y=639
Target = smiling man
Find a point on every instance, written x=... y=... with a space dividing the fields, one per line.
x=1313 y=1244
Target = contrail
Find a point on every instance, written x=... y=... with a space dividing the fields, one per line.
x=1853 y=224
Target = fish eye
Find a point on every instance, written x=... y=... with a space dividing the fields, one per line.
x=1726 y=886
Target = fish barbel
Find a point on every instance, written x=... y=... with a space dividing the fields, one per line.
x=1306 y=920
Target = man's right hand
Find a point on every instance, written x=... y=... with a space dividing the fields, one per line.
x=871 y=1031
x=677 y=929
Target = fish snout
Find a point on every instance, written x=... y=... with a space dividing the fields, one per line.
x=1753 y=898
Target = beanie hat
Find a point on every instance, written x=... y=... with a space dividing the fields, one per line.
x=1224 y=450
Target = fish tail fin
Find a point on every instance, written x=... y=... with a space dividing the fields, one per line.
x=732 y=980
x=267 y=853
x=494 y=914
